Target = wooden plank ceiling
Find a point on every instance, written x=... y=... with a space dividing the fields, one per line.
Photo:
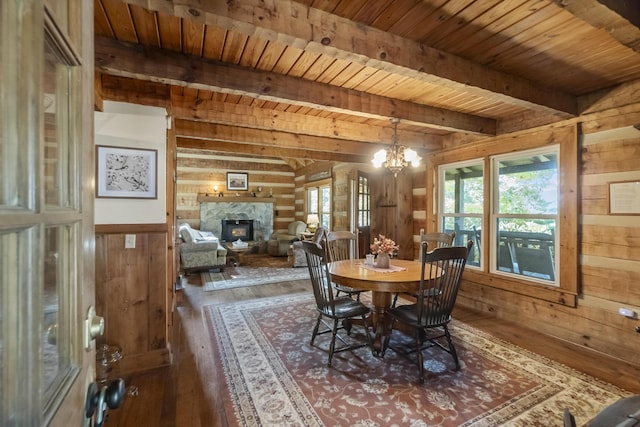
x=321 y=79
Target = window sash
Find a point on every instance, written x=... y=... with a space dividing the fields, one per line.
x=527 y=249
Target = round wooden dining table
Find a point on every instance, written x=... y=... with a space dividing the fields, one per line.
x=382 y=284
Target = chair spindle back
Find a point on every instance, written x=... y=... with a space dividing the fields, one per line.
x=341 y=245
x=319 y=274
x=437 y=297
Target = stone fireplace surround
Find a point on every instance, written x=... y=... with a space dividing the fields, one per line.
x=260 y=210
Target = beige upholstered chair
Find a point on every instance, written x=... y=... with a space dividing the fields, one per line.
x=296 y=254
x=281 y=240
x=200 y=250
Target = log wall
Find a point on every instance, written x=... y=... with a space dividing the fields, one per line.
x=197 y=172
x=609 y=261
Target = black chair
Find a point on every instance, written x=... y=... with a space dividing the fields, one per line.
x=434 y=240
x=428 y=318
x=568 y=420
x=341 y=310
x=341 y=245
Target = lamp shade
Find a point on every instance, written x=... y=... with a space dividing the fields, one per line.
x=312 y=219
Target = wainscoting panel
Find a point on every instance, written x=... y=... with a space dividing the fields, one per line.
x=131 y=293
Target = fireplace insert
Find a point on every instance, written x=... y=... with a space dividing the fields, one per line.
x=234 y=229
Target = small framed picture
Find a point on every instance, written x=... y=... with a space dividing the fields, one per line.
x=237 y=181
x=126 y=172
x=624 y=198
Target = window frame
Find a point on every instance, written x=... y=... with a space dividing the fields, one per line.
x=442 y=214
x=566 y=137
x=324 y=216
x=496 y=215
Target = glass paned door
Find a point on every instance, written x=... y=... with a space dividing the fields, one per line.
x=46 y=220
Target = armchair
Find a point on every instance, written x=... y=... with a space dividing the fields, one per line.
x=281 y=240
x=296 y=254
x=200 y=250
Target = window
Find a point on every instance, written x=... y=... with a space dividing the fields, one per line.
x=319 y=202
x=364 y=202
x=524 y=211
x=525 y=214
x=462 y=204
x=528 y=243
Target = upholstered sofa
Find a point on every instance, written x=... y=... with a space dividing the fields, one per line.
x=281 y=240
x=200 y=250
x=295 y=254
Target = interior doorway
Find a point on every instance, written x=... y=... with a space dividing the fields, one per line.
x=363 y=213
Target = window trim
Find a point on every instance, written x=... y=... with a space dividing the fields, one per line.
x=318 y=186
x=441 y=202
x=494 y=214
x=567 y=138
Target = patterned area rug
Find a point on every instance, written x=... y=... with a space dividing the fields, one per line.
x=259 y=270
x=275 y=378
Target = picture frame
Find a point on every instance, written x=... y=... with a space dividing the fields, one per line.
x=624 y=198
x=126 y=173
x=237 y=181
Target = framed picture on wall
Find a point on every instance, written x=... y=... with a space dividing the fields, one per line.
x=129 y=173
x=624 y=198
x=237 y=181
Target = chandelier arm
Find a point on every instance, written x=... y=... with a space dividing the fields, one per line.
x=397 y=157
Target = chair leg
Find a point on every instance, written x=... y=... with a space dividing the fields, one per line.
x=332 y=347
x=315 y=329
x=347 y=325
x=420 y=358
x=365 y=323
x=386 y=338
x=395 y=299
x=452 y=348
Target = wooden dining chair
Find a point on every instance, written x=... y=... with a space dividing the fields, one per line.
x=341 y=245
x=429 y=317
x=338 y=309
x=434 y=240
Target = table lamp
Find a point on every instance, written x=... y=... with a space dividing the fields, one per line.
x=312 y=222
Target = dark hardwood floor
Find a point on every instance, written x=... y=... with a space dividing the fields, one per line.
x=186 y=395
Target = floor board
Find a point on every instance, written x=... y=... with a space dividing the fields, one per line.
x=185 y=394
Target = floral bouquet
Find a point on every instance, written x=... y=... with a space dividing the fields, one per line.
x=383 y=245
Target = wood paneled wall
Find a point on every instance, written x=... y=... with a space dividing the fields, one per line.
x=609 y=262
x=131 y=294
x=392 y=209
x=198 y=171
x=341 y=200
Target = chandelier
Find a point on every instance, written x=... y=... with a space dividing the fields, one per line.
x=396 y=157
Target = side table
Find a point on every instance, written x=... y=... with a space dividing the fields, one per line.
x=305 y=235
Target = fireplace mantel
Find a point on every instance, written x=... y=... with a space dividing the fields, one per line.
x=204 y=198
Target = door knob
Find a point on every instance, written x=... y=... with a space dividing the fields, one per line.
x=93 y=327
x=99 y=400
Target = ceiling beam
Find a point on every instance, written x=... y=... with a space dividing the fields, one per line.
x=268 y=151
x=317 y=31
x=231 y=133
x=125 y=89
x=621 y=19
x=114 y=88
x=269 y=119
x=162 y=66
